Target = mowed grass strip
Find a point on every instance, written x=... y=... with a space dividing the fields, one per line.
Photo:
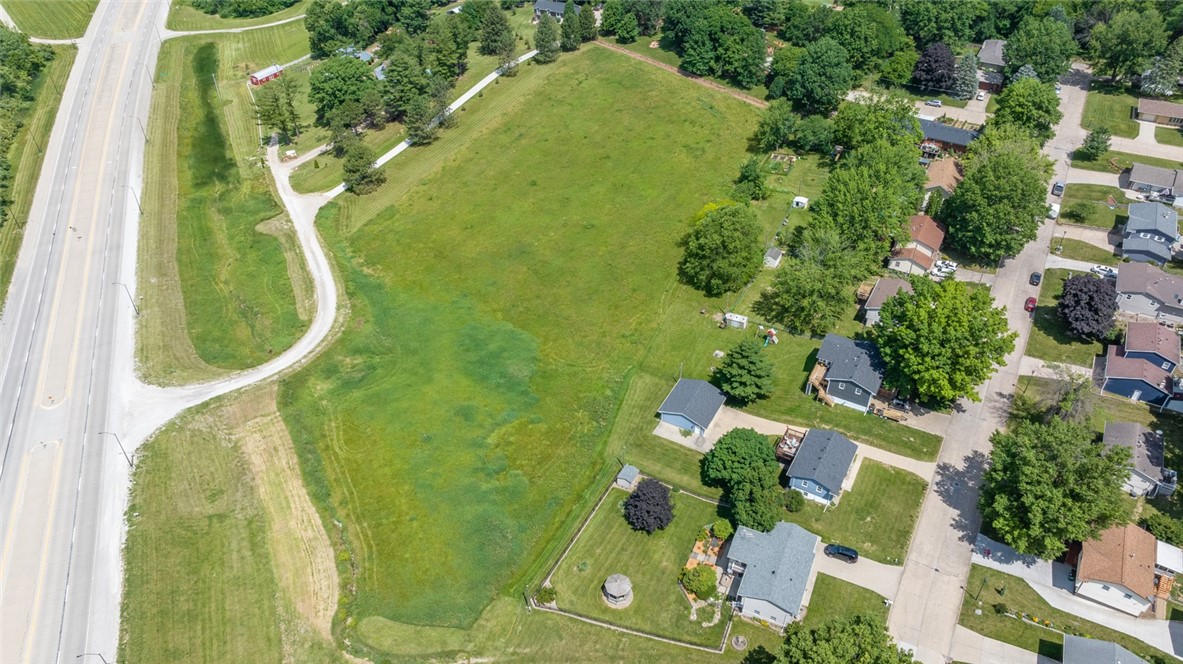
x=1111 y=108
x=834 y=598
x=1124 y=160
x=1083 y=251
x=1088 y=204
x=27 y=154
x=875 y=517
x=51 y=19
x=652 y=562
x=1049 y=340
x=501 y=286
x=183 y=16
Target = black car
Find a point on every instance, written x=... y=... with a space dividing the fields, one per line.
x=841 y=553
x=1036 y=278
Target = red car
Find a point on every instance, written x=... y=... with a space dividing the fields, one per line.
x=1029 y=305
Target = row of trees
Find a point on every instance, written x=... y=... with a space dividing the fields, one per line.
x=20 y=64
x=332 y=25
x=241 y=8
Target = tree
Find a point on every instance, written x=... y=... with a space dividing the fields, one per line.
x=794 y=501
x=627 y=30
x=338 y=80
x=858 y=35
x=546 y=39
x=742 y=456
x=784 y=61
x=746 y=374
x=1163 y=527
x=723 y=251
x=750 y=183
x=1095 y=144
x=815 y=134
x=859 y=638
x=929 y=22
x=776 y=126
x=648 y=14
x=812 y=290
x=722 y=529
x=965 y=76
x=496 y=35
x=698 y=56
x=1030 y=104
x=570 y=31
x=1087 y=306
x=1047 y=45
x=611 y=17
x=414 y=15
x=405 y=82
x=701 y=581
x=940 y=342
x=821 y=78
x=1124 y=46
x=1072 y=395
x=1024 y=72
x=890 y=117
x=1051 y=483
x=765 y=14
x=325 y=21
x=648 y=507
x=587 y=23
x=1162 y=79
x=899 y=67
x=757 y=506
x=445 y=51
x=419 y=120
x=998 y=207
x=935 y=68
x=361 y=177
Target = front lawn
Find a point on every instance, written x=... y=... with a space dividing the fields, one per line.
x=1049 y=339
x=1124 y=160
x=1169 y=136
x=834 y=598
x=1088 y=204
x=1083 y=251
x=875 y=517
x=1112 y=108
x=987 y=587
x=652 y=562
x=919 y=94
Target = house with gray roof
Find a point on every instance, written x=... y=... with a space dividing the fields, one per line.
x=692 y=405
x=1079 y=650
x=1154 y=179
x=884 y=289
x=991 y=57
x=555 y=9
x=821 y=465
x=1145 y=290
x=1147 y=476
x=1150 y=233
x=773 y=570
x=940 y=137
x=853 y=371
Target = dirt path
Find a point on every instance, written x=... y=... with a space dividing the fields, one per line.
x=705 y=82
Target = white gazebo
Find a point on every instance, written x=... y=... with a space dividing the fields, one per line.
x=618 y=591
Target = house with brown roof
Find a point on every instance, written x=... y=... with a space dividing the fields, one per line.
x=943 y=177
x=1135 y=378
x=1144 y=289
x=919 y=255
x=1160 y=112
x=1157 y=344
x=1117 y=570
x=884 y=289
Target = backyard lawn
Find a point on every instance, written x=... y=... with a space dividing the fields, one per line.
x=51 y=19
x=982 y=592
x=1124 y=160
x=1169 y=136
x=875 y=517
x=834 y=598
x=1112 y=108
x=1083 y=251
x=1088 y=204
x=652 y=562
x=1049 y=339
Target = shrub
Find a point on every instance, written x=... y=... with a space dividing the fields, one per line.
x=700 y=581
x=1001 y=609
x=794 y=501
x=1164 y=528
x=649 y=507
x=723 y=529
x=545 y=595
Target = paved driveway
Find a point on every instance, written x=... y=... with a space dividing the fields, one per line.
x=1098 y=237
x=1146 y=144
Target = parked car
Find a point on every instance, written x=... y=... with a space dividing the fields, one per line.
x=1103 y=271
x=1053 y=211
x=981 y=95
x=1058 y=188
x=1058 y=88
x=934 y=102
x=948 y=265
x=1036 y=278
x=1029 y=305
x=842 y=553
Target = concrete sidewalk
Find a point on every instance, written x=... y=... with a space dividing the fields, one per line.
x=1145 y=144
x=969 y=646
x=1030 y=366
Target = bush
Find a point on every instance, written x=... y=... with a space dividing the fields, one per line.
x=545 y=595
x=794 y=501
x=700 y=581
x=723 y=529
x=1164 y=528
x=649 y=507
x=1001 y=609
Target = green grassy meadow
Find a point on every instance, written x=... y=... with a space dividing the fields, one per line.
x=834 y=598
x=51 y=19
x=1111 y=108
x=1092 y=202
x=1049 y=340
x=1123 y=159
x=652 y=562
x=182 y=16
x=27 y=153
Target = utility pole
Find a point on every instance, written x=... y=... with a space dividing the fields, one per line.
x=126 y=458
x=133 y=194
x=129 y=297
x=94 y=654
x=142 y=130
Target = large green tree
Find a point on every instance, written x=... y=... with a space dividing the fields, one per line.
x=723 y=250
x=868 y=33
x=858 y=639
x=1126 y=45
x=951 y=22
x=1030 y=104
x=940 y=342
x=338 y=80
x=746 y=373
x=405 y=81
x=965 y=76
x=776 y=126
x=821 y=77
x=874 y=117
x=1044 y=43
x=496 y=37
x=570 y=34
x=899 y=67
x=546 y=39
x=814 y=287
x=743 y=462
x=1051 y=483
x=361 y=177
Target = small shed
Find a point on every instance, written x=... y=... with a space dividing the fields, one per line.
x=618 y=591
x=736 y=320
x=800 y=202
x=627 y=477
x=263 y=75
x=692 y=405
x=772 y=257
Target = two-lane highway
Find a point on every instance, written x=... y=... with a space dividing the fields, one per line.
x=62 y=480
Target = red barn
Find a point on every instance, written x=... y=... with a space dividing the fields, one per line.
x=264 y=75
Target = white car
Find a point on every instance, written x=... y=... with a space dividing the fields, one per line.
x=1103 y=271
x=1053 y=211
x=981 y=95
x=949 y=265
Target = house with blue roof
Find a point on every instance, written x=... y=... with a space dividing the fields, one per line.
x=772 y=569
x=821 y=465
x=1150 y=232
x=692 y=405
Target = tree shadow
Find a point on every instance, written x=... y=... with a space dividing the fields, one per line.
x=958 y=488
x=759 y=655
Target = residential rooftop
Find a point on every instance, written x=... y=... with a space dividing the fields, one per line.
x=778 y=564
x=824 y=457
x=853 y=361
x=1146 y=447
x=1123 y=555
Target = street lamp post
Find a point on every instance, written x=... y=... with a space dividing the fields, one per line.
x=142 y=130
x=133 y=191
x=120 y=443
x=93 y=654
x=128 y=291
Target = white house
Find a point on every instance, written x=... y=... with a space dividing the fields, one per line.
x=1117 y=570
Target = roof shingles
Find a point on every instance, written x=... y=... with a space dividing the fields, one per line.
x=857 y=362
x=824 y=457
x=778 y=564
x=1123 y=555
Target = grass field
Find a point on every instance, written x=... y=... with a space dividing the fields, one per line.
x=1088 y=204
x=216 y=252
x=1124 y=160
x=875 y=517
x=1049 y=339
x=1084 y=251
x=1169 y=136
x=27 y=154
x=1111 y=108
x=182 y=16
x=982 y=592
x=834 y=598
x=652 y=562
x=51 y=19
x=666 y=54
